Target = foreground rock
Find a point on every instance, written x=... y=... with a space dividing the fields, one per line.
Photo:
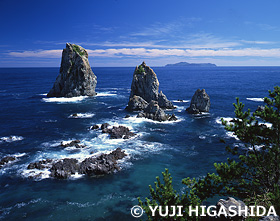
x=270 y=218
x=236 y=204
x=65 y=168
x=144 y=89
x=154 y=112
x=6 y=160
x=200 y=102
x=76 y=77
x=104 y=164
x=40 y=165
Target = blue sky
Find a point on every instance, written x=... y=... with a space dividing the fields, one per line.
x=126 y=32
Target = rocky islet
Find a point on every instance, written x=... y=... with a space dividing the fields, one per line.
x=145 y=95
x=76 y=77
x=200 y=102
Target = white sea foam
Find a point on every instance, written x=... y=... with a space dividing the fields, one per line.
x=255 y=99
x=231 y=135
x=19 y=155
x=180 y=108
x=76 y=176
x=269 y=125
x=82 y=115
x=64 y=99
x=37 y=174
x=97 y=145
x=219 y=121
x=138 y=120
x=102 y=143
x=202 y=137
x=106 y=94
x=180 y=101
x=11 y=139
x=43 y=94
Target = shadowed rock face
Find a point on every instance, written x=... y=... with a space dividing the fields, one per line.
x=200 y=102
x=144 y=89
x=76 y=77
x=136 y=103
x=154 y=112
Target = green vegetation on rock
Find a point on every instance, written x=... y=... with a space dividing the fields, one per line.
x=77 y=49
x=140 y=69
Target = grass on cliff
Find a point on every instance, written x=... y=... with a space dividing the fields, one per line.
x=140 y=69
x=77 y=49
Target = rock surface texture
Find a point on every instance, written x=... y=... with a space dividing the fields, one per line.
x=145 y=85
x=76 y=77
x=200 y=102
x=145 y=97
x=154 y=112
x=235 y=204
x=6 y=160
x=136 y=103
x=64 y=168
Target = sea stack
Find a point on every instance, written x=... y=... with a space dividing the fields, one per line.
x=76 y=77
x=144 y=89
x=200 y=102
x=145 y=97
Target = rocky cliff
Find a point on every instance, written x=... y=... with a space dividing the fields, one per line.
x=200 y=102
x=76 y=77
x=144 y=88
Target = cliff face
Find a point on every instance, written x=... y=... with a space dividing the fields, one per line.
x=76 y=77
x=145 y=85
x=200 y=102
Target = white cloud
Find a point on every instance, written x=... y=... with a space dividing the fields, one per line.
x=257 y=42
x=146 y=53
x=142 y=52
x=38 y=54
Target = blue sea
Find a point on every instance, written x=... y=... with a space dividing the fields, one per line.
x=33 y=126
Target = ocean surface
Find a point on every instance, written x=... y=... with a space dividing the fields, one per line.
x=33 y=126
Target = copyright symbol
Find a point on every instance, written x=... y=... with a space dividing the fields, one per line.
x=136 y=211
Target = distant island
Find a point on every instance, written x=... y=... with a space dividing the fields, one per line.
x=186 y=64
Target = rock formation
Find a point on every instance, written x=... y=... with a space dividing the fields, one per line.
x=64 y=168
x=200 y=102
x=119 y=132
x=6 y=160
x=145 y=97
x=235 y=204
x=76 y=77
x=136 y=103
x=144 y=89
x=72 y=143
x=154 y=112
